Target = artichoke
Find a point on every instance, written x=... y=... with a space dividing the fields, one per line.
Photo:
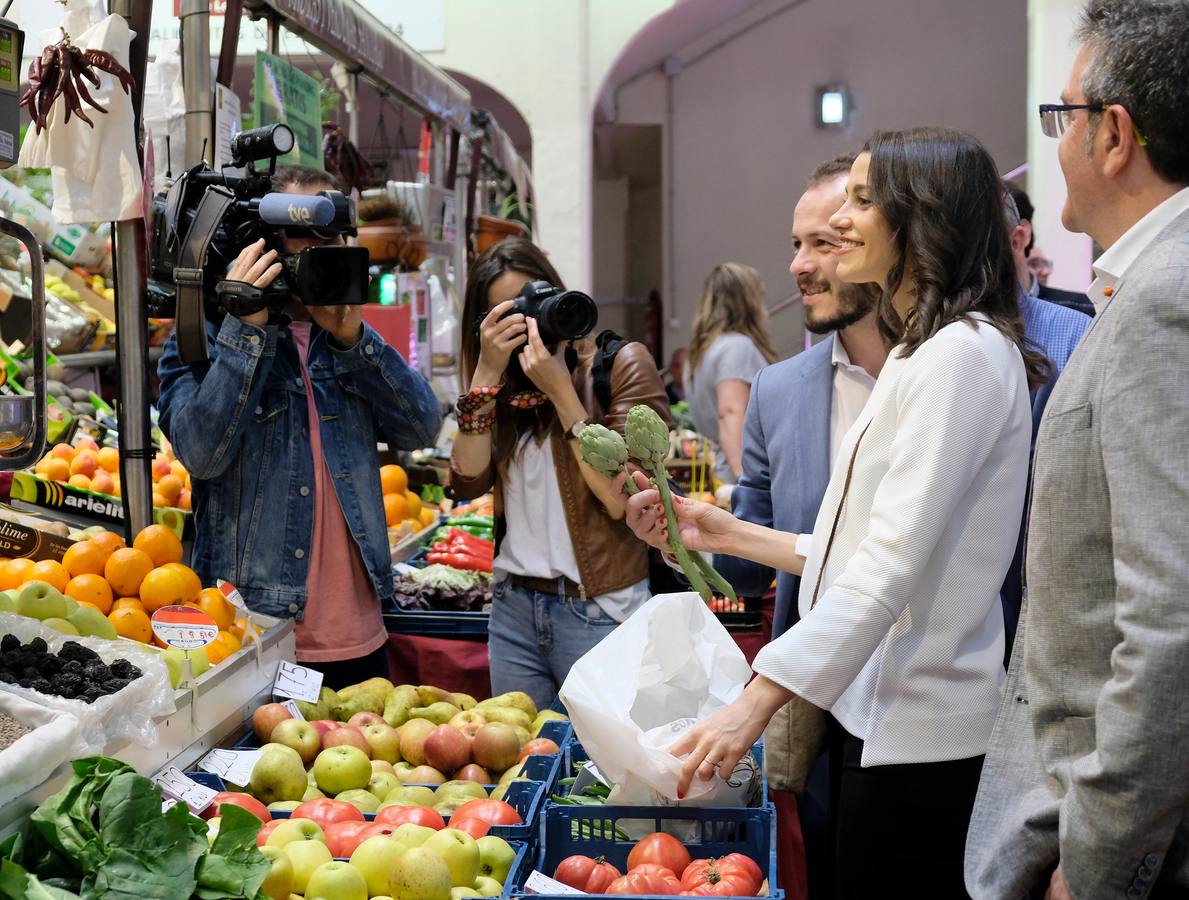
x=603 y=450
x=648 y=437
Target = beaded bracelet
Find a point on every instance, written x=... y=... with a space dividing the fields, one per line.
x=478 y=397
x=475 y=423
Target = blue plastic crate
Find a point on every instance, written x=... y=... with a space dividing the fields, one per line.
x=590 y=831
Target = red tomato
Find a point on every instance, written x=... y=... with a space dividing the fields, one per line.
x=418 y=815
x=662 y=849
x=476 y=828
x=235 y=798
x=343 y=837
x=494 y=812
x=667 y=875
x=734 y=875
x=539 y=747
x=376 y=828
x=266 y=830
x=592 y=876
x=637 y=882
x=326 y=811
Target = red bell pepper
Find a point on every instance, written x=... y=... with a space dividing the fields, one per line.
x=463 y=561
x=457 y=535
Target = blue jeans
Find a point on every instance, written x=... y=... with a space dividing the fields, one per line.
x=534 y=638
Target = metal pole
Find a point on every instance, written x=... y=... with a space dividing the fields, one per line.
x=196 y=81
x=353 y=109
x=274 y=35
x=132 y=340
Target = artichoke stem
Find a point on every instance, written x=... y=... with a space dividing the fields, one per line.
x=692 y=574
x=715 y=580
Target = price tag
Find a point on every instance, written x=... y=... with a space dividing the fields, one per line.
x=234 y=766
x=184 y=627
x=231 y=592
x=297 y=682
x=538 y=883
x=293 y=711
x=175 y=783
x=168 y=804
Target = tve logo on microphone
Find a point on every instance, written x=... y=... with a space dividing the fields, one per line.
x=300 y=215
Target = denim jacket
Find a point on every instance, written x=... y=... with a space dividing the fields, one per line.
x=239 y=421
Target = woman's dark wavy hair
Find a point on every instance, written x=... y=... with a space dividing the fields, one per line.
x=512 y=254
x=941 y=195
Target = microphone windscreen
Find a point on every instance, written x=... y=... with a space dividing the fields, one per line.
x=298 y=210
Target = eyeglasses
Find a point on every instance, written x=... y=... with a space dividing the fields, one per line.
x=1055 y=118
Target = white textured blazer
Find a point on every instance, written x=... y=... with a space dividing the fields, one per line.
x=905 y=644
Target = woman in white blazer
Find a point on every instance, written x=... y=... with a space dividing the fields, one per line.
x=901 y=630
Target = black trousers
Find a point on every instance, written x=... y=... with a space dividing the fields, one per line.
x=340 y=673
x=901 y=829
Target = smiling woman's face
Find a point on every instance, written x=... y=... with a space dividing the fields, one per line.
x=866 y=250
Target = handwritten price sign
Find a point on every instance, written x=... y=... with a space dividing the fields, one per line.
x=234 y=766
x=297 y=682
x=175 y=783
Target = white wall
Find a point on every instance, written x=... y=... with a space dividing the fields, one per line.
x=743 y=138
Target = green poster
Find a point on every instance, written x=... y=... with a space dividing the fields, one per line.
x=284 y=93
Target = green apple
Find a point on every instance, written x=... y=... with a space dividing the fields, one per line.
x=495 y=857
x=212 y=828
x=60 y=625
x=284 y=806
x=295 y=830
x=420 y=874
x=342 y=768
x=471 y=790
x=71 y=605
x=459 y=851
x=383 y=783
x=413 y=835
x=459 y=893
x=91 y=622
x=375 y=858
x=199 y=662
x=306 y=856
x=278 y=776
x=410 y=795
x=39 y=600
x=278 y=884
x=337 y=880
x=487 y=887
x=364 y=801
x=268 y=748
x=8 y=601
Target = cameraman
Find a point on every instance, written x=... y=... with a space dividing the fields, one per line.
x=566 y=571
x=292 y=514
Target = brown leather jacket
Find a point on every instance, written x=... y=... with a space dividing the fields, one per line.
x=609 y=556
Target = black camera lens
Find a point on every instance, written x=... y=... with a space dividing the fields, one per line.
x=567 y=317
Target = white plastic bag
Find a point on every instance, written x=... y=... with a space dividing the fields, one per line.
x=32 y=758
x=127 y=714
x=670 y=664
x=164 y=111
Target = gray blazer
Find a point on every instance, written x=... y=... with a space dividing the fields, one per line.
x=1089 y=759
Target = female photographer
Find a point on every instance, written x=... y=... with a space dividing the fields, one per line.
x=566 y=570
x=901 y=632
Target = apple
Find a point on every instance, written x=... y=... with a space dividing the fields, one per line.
x=278 y=776
x=402 y=769
x=378 y=766
x=539 y=747
x=337 y=880
x=364 y=718
x=306 y=856
x=459 y=851
x=212 y=829
x=447 y=749
x=496 y=747
x=473 y=772
x=301 y=736
x=470 y=729
x=414 y=835
x=325 y=726
x=326 y=812
x=487 y=887
x=347 y=736
x=278 y=884
x=466 y=717
x=343 y=837
x=495 y=857
x=471 y=790
x=420 y=874
x=425 y=775
x=266 y=718
x=383 y=740
x=8 y=601
x=235 y=798
x=412 y=740
x=382 y=784
x=375 y=859
x=410 y=795
x=343 y=768
x=362 y=799
x=39 y=600
x=290 y=830
x=266 y=831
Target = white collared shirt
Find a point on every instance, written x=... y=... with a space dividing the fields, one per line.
x=852 y=386
x=1112 y=266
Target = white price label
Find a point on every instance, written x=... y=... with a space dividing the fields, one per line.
x=175 y=783
x=184 y=628
x=293 y=711
x=538 y=883
x=231 y=592
x=234 y=766
x=297 y=682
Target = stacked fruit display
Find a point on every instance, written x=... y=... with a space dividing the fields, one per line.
x=88 y=466
x=400 y=504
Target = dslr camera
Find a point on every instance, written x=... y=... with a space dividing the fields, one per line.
x=205 y=218
x=561 y=315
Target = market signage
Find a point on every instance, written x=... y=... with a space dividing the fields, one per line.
x=284 y=93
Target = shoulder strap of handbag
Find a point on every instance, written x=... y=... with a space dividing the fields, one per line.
x=850 y=471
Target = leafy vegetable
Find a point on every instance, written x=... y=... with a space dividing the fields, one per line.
x=17 y=884
x=445 y=577
x=235 y=867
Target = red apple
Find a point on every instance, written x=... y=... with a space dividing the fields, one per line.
x=447 y=749
x=326 y=811
x=349 y=736
x=324 y=726
x=470 y=729
x=474 y=773
x=266 y=718
x=539 y=747
x=235 y=798
x=496 y=747
x=343 y=837
x=362 y=719
x=412 y=740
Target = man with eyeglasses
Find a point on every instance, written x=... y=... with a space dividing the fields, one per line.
x=1085 y=791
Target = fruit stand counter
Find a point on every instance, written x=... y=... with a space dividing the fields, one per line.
x=206 y=715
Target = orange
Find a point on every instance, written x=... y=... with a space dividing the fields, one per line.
x=40 y=468
x=57 y=469
x=85 y=558
x=51 y=572
x=132 y=623
x=90 y=588
x=109 y=459
x=229 y=640
x=13 y=572
x=162 y=587
x=170 y=487
x=108 y=540
x=161 y=544
x=413 y=503
x=212 y=602
x=193 y=583
x=80 y=481
x=428 y=516
x=126 y=569
x=216 y=652
x=393 y=480
x=395 y=508
x=128 y=602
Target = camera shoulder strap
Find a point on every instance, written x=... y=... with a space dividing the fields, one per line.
x=188 y=273
x=607 y=345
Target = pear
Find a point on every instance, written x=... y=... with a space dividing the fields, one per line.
x=381 y=686
x=439 y=713
x=430 y=695
x=60 y=625
x=508 y=715
x=8 y=601
x=91 y=622
x=357 y=703
x=520 y=700
x=463 y=701
x=399 y=702
x=545 y=715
